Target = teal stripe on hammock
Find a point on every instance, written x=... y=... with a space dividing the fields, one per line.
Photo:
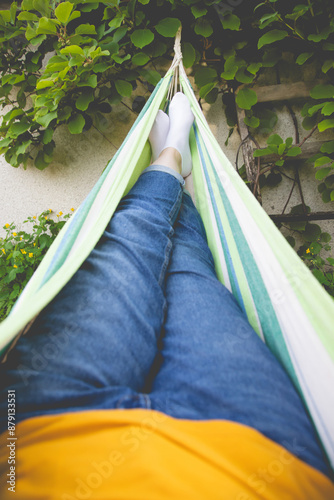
x=228 y=258
x=268 y=319
x=71 y=235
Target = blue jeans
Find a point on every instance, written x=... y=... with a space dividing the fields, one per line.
x=145 y=323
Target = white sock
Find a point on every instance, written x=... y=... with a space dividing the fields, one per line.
x=180 y=121
x=158 y=134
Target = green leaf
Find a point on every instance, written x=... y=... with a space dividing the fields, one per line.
x=41 y=160
x=242 y=77
x=123 y=88
x=252 y=121
x=313 y=109
x=327 y=147
x=322 y=91
x=325 y=237
x=312 y=232
x=46 y=119
x=275 y=139
x=268 y=120
x=309 y=122
x=18 y=128
x=42 y=6
x=326 y=195
x=27 y=16
x=315 y=249
x=231 y=22
x=27 y=5
x=323 y=160
x=273 y=179
x=281 y=149
x=203 y=27
x=91 y=81
x=151 y=76
x=47 y=136
x=205 y=75
x=254 y=68
x=101 y=67
x=297 y=226
x=84 y=100
x=63 y=11
x=295 y=151
x=271 y=37
x=5 y=15
x=206 y=89
x=246 y=98
x=302 y=58
x=72 y=49
x=189 y=54
x=327 y=65
x=198 y=11
x=168 y=27
x=85 y=29
x=328 y=108
x=75 y=14
x=211 y=96
x=326 y=124
x=76 y=124
x=140 y=38
x=46 y=26
x=299 y=209
x=22 y=148
x=322 y=173
x=268 y=19
x=116 y=22
x=262 y=152
x=140 y=59
x=288 y=142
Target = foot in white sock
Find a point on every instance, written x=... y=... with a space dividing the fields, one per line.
x=180 y=121
x=158 y=134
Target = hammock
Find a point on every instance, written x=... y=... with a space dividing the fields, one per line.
x=284 y=303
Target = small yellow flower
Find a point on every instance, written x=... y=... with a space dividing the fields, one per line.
x=3 y=250
x=72 y=209
x=7 y=226
x=21 y=238
x=308 y=251
x=34 y=217
x=31 y=254
x=34 y=244
x=45 y=218
x=60 y=213
x=50 y=210
x=15 y=266
x=23 y=251
x=14 y=234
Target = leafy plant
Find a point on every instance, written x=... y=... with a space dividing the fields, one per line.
x=20 y=254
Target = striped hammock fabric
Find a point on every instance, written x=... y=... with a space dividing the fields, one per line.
x=284 y=303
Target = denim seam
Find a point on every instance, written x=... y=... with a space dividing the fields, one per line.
x=175 y=208
x=166 y=259
x=173 y=212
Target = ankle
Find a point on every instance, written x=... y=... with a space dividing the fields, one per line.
x=170 y=157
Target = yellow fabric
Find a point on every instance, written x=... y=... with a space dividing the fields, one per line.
x=146 y=455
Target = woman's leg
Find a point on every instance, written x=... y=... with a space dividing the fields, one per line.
x=214 y=364
x=93 y=346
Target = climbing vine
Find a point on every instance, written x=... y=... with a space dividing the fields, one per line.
x=69 y=62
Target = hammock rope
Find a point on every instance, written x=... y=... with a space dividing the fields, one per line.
x=283 y=301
